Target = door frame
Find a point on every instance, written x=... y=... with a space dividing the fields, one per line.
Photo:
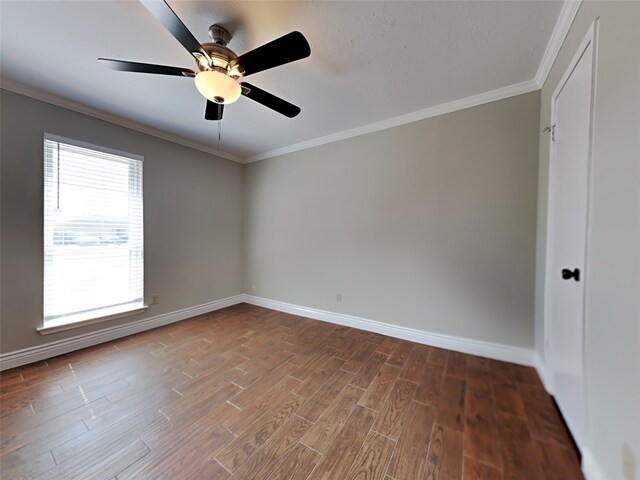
x=590 y=38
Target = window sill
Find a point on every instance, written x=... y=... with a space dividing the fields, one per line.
x=90 y=318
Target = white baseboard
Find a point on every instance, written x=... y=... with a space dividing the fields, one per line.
x=591 y=468
x=496 y=351
x=543 y=373
x=465 y=345
x=59 y=347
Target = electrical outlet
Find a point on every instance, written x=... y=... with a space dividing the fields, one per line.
x=253 y=288
x=628 y=462
x=155 y=298
x=338 y=297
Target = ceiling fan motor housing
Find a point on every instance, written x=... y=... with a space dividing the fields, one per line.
x=220 y=54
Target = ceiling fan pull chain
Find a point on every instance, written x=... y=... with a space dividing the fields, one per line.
x=219 y=129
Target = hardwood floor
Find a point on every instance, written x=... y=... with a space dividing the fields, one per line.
x=249 y=393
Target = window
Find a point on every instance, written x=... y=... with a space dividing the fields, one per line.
x=93 y=233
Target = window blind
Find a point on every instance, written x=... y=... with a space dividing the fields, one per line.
x=93 y=231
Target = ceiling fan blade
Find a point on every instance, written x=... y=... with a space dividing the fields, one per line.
x=268 y=100
x=167 y=17
x=125 y=66
x=213 y=111
x=289 y=48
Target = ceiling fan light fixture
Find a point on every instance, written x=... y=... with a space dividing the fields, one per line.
x=218 y=87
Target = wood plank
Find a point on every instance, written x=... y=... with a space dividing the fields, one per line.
x=26 y=467
x=430 y=384
x=95 y=444
x=414 y=365
x=297 y=465
x=76 y=397
x=339 y=458
x=476 y=470
x=108 y=467
x=262 y=363
x=456 y=365
x=181 y=443
x=543 y=418
x=507 y=399
x=20 y=431
x=219 y=390
x=387 y=345
x=502 y=372
x=369 y=370
x=319 y=401
x=316 y=380
x=180 y=455
x=527 y=375
x=33 y=445
x=373 y=458
x=25 y=395
x=249 y=394
x=451 y=403
x=480 y=432
x=479 y=375
x=519 y=455
x=376 y=394
x=240 y=449
x=395 y=413
x=438 y=356
x=444 y=461
x=211 y=470
x=160 y=406
x=360 y=356
x=400 y=353
x=312 y=364
x=410 y=457
x=238 y=420
x=261 y=464
x=326 y=428
x=558 y=463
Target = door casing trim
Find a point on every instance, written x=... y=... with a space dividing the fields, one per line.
x=590 y=38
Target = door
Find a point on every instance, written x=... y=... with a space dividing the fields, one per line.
x=571 y=130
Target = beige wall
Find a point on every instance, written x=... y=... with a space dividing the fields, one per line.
x=612 y=343
x=430 y=225
x=192 y=217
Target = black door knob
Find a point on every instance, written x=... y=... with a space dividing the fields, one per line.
x=568 y=274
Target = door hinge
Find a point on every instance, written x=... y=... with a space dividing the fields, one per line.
x=551 y=129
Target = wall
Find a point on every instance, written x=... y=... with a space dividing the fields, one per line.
x=612 y=340
x=429 y=225
x=192 y=218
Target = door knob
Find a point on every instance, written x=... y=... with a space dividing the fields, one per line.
x=568 y=274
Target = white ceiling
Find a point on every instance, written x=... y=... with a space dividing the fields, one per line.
x=369 y=61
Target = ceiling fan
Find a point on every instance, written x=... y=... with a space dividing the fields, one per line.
x=219 y=68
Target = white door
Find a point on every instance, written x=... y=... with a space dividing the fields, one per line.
x=567 y=243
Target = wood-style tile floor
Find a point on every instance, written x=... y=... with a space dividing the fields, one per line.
x=249 y=393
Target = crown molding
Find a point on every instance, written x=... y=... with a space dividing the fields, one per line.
x=479 y=99
x=37 y=94
x=461 y=104
x=563 y=24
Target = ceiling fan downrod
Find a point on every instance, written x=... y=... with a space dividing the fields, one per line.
x=219 y=35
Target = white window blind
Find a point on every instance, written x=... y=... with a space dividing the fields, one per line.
x=93 y=232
